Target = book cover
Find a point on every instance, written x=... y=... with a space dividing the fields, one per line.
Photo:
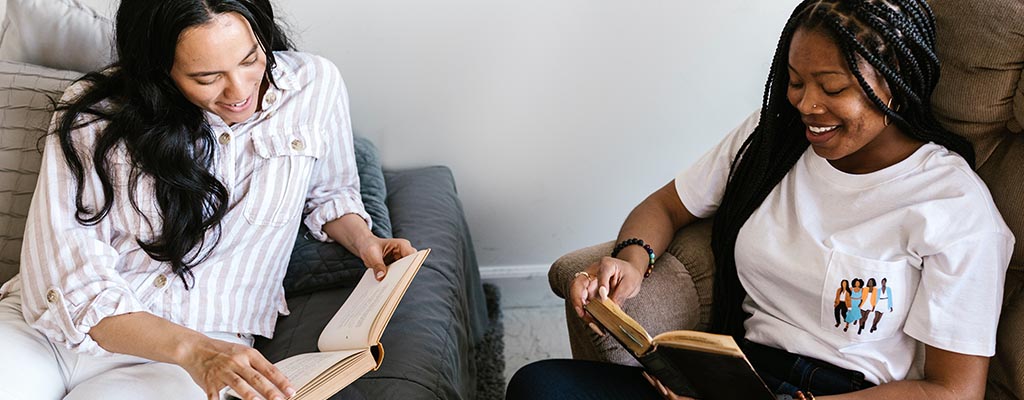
x=690 y=363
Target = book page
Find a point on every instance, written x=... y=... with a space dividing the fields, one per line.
x=621 y=326
x=701 y=341
x=304 y=368
x=370 y=302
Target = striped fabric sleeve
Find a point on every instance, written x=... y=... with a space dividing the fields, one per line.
x=68 y=270
x=334 y=186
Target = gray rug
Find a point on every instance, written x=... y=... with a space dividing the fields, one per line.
x=490 y=355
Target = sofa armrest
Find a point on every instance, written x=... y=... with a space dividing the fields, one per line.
x=676 y=296
x=425 y=209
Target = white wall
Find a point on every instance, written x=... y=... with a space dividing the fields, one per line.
x=556 y=116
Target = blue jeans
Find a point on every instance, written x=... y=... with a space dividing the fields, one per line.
x=784 y=373
x=788 y=373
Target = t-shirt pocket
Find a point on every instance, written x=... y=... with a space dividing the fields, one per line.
x=284 y=164
x=865 y=299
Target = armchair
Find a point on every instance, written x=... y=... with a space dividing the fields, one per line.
x=980 y=96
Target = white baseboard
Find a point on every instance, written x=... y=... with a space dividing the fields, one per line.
x=522 y=286
x=492 y=272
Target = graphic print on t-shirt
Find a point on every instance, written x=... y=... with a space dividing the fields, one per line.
x=860 y=300
x=862 y=304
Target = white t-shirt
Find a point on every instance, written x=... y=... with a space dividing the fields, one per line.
x=926 y=224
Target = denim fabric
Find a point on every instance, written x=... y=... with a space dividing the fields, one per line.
x=785 y=373
x=788 y=373
x=579 y=380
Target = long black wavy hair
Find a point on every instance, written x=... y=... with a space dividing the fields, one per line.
x=897 y=39
x=166 y=136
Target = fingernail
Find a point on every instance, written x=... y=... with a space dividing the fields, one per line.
x=596 y=330
x=380 y=275
x=603 y=291
x=290 y=392
x=664 y=392
x=579 y=311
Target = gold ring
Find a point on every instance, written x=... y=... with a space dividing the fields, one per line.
x=582 y=273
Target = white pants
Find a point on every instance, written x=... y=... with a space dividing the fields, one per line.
x=33 y=368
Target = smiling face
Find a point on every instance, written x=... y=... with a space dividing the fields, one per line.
x=219 y=66
x=842 y=124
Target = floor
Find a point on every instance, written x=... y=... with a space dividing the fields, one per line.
x=534 y=320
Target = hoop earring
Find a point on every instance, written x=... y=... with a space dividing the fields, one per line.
x=885 y=116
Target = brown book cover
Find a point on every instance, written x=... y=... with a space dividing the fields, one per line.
x=690 y=363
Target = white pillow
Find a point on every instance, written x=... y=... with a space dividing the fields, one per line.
x=62 y=34
x=25 y=112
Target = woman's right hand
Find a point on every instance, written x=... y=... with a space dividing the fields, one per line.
x=215 y=364
x=609 y=277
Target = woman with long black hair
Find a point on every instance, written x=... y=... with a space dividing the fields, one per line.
x=843 y=172
x=170 y=192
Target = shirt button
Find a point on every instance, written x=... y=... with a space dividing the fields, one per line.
x=160 y=281
x=270 y=97
x=297 y=145
x=268 y=114
x=51 y=296
x=225 y=138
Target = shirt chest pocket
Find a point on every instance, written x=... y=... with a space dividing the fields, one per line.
x=864 y=299
x=284 y=163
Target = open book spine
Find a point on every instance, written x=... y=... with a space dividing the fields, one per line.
x=377 y=351
x=659 y=366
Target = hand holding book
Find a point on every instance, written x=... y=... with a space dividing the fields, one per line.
x=350 y=343
x=687 y=363
x=619 y=279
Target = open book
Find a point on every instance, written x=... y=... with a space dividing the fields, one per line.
x=690 y=363
x=350 y=344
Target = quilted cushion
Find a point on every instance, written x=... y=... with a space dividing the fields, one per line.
x=25 y=108
x=316 y=266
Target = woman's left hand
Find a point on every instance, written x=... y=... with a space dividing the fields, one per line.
x=377 y=253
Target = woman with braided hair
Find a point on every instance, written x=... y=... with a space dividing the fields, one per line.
x=843 y=172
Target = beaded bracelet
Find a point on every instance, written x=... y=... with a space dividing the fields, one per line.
x=634 y=241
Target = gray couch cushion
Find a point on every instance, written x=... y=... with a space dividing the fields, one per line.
x=25 y=110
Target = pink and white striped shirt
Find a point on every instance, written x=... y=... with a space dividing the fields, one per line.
x=292 y=159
